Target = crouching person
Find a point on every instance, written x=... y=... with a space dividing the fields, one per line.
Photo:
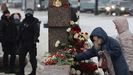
x=102 y=42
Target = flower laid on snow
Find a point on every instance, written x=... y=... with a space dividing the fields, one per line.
x=55 y=59
x=57 y=43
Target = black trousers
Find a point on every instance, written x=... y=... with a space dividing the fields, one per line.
x=32 y=50
x=9 y=48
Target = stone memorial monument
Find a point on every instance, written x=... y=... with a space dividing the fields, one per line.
x=58 y=22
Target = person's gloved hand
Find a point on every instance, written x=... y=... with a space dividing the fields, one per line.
x=100 y=53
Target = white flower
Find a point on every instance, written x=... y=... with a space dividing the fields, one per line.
x=82 y=61
x=85 y=36
x=54 y=57
x=48 y=59
x=77 y=22
x=57 y=43
x=78 y=12
x=68 y=30
x=78 y=72
x=72 y=22
x=86 y=61
x=76 y=35
x=73 y=71
x=81 y=38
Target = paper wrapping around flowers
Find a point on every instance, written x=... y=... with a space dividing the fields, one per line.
x=58 y=16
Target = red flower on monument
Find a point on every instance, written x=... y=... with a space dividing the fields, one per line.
x=66 y=5
x=76 y=29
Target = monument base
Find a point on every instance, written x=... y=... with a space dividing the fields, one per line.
x=57 y=33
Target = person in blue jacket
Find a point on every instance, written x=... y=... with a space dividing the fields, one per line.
x=107 y=43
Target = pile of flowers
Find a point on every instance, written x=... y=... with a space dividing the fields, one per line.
x=77 y=43
x=76 y=37
x=56 y=59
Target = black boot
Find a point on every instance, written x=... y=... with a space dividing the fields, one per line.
x=6 y=69
x=12 y=70
x=21 y=72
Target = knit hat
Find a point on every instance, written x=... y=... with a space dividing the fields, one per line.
x=29 y=11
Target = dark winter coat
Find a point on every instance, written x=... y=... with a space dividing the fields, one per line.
x=8 y=31
x=29 y=30
x=112 y=47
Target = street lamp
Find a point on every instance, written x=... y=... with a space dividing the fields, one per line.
x=96 y=7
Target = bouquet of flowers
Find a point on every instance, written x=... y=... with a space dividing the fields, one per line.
x=77 y=43
x=63 y=56
x=77 y=38
x=54 y=59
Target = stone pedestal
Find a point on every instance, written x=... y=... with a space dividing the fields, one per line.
x=58 y=22
x=28 y=4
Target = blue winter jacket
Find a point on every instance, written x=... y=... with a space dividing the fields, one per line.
x=113 y=48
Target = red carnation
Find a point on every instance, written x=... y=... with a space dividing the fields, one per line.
x=93 y=67
x=66 y=5
x=88 y=67
x=76 y=29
